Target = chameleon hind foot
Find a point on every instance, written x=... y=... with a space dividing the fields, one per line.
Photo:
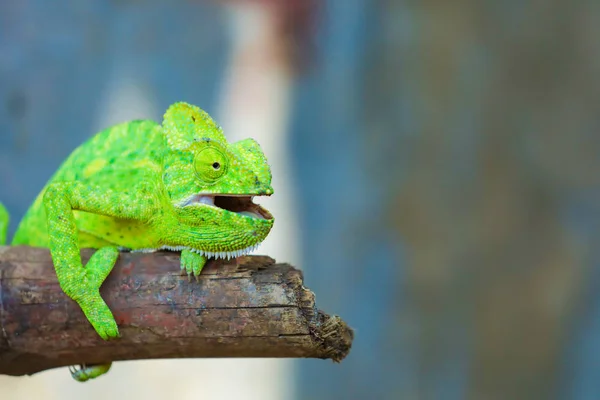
x=86 y=372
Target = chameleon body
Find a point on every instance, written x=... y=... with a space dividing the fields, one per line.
x=142 y=186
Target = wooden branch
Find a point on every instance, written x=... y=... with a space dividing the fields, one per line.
x=249 y=307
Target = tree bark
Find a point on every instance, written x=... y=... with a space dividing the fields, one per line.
x=246 y=307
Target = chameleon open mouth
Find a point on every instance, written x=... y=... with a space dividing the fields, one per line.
x=243 y=205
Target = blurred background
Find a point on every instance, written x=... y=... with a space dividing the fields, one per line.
x=436 y=167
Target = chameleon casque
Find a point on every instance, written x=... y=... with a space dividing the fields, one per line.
x=141 y=186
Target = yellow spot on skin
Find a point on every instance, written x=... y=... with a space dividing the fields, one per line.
x=93 y=167
x=148 y=165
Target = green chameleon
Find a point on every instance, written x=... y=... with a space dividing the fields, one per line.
x=141 y=186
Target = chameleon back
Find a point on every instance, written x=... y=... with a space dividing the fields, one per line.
x=128 y=142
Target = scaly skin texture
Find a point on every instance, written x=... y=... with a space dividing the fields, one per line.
x=3 y=224
x=142 y=186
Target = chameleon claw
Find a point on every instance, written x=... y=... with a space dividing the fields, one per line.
x=192 y=263
x=77 y=372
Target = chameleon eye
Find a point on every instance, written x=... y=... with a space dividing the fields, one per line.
x=210 y=164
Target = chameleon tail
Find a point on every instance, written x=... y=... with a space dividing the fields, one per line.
x=3 y=224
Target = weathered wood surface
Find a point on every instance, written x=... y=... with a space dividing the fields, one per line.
x=249 y=307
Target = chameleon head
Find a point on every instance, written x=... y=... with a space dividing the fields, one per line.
x=211 y=185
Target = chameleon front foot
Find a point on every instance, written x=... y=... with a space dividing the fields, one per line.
x=192 y=263
x=85 y=372
x=88 y=293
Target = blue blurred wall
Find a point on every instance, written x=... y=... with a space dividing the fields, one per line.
x=447 y=161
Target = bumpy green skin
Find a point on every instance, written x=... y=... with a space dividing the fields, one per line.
x=3 y=224
x=129 y=187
